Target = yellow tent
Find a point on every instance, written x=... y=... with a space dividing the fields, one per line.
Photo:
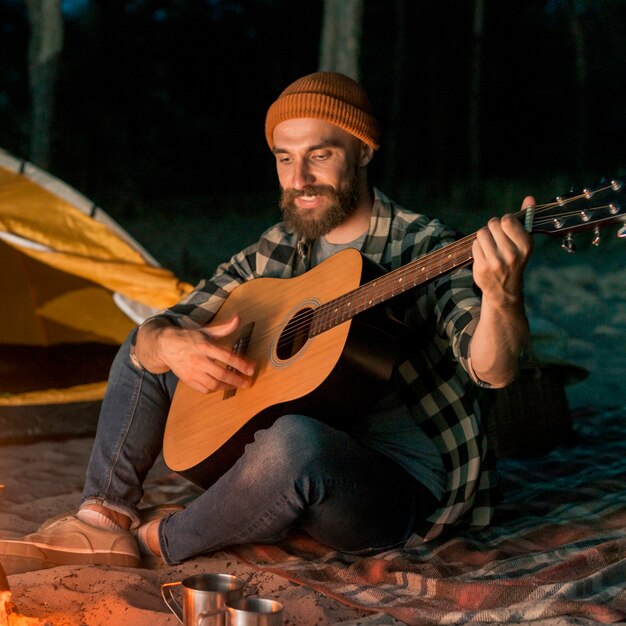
x=73 y=283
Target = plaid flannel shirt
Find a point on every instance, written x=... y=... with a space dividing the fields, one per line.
x=436 y=382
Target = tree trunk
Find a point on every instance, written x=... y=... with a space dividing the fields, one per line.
x=475 y=92
x=444 y=35
x=341 y=37
x=44 y=47
x=580 y=53
x=396 y=100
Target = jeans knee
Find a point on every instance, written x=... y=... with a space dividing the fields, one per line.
x=293 y=425
x=300 y=442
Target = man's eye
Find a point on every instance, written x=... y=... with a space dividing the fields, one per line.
x=284 y=159
x=320 y=156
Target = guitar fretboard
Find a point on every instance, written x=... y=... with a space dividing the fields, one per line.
x=590 y=208
x=390 y=285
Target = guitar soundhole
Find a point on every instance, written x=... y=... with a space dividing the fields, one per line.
x=294 y=335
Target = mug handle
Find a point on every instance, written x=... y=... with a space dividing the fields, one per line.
x=205 y=614
x=177 y=609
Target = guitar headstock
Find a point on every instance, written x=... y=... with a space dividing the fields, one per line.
x=591 y=208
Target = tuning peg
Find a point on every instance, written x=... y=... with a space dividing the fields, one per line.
x=568 y=243
x=621 y=233
x=596 y=236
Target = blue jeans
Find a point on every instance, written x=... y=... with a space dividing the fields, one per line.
x=299 y=473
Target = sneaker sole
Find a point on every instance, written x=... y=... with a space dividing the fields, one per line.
x=50 y=557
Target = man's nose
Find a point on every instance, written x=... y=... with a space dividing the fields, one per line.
x=302 y=175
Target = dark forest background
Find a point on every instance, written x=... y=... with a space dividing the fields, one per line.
x=157 y=106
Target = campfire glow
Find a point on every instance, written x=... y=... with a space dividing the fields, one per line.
x=8 y=611
x=9 y=615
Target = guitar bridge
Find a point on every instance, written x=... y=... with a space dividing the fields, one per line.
x=239 y=347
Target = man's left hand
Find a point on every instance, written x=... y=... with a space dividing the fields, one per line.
x=501 y=250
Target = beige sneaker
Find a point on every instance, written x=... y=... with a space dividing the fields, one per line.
x=148 y=559
x=69 y=541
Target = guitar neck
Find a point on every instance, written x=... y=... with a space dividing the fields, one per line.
x=591 y=208
x=392 y=284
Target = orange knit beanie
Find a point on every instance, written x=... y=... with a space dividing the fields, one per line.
x=327 y=96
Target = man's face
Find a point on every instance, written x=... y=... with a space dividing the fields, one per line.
x=318 y=171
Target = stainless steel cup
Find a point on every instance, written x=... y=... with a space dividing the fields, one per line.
x=202 y=593
x=250 y=611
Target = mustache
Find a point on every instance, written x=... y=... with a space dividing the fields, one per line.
x=309 y=190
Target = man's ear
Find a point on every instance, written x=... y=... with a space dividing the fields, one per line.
x=367 y=154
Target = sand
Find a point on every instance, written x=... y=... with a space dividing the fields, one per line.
x=45 y=478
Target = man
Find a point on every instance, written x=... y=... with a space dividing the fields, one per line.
x=414 y=465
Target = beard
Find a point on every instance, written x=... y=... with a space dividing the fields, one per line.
x=307 y=222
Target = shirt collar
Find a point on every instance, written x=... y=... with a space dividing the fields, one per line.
x=377 y=235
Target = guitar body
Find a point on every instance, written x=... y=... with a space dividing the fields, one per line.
x=333 y=375
x=322 y=343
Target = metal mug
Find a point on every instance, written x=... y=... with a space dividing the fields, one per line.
x=202 y=593
x=249 y=611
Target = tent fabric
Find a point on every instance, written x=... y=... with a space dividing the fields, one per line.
x=73 y=283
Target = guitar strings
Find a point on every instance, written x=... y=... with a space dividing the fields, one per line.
x=436 y=260
x=461 y=245
x=440 y=260
x=565 y=214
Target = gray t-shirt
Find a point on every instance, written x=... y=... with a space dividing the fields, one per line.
x=389 y=428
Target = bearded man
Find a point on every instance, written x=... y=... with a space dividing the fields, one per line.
x=411 y=465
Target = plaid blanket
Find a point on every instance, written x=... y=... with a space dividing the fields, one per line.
x=557 y=548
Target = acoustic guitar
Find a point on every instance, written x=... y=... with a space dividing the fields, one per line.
x=325 y=343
